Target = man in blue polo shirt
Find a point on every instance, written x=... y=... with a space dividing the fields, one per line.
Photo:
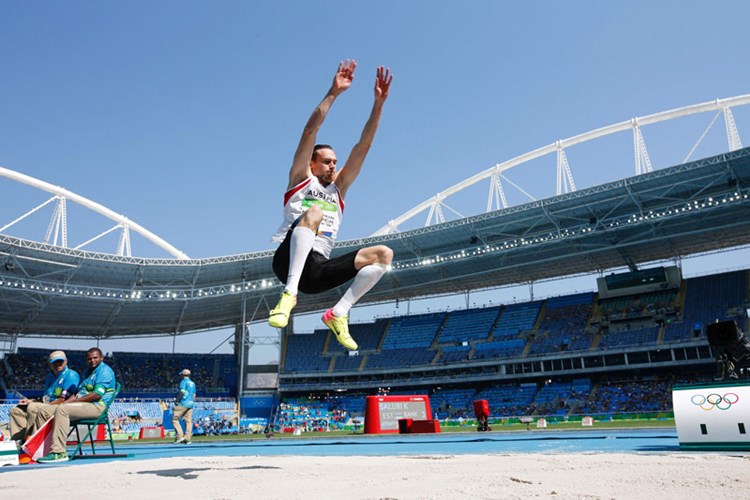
x=183 y=408
x=60 y=384
x=94 y=392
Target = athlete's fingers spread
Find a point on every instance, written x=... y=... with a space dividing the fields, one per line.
x=384 y=75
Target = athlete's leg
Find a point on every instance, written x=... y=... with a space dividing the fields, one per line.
x=300 y=246
x=371 y=264
x=303 y=237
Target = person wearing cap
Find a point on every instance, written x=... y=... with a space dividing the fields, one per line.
x=183 y=409
x=95 y=391
x=60 y=384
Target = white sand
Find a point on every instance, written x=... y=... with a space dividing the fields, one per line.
x=641 y=476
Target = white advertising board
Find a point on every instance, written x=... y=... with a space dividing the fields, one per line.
x=713 y=416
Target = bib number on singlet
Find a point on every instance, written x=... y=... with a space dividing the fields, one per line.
x=330 y=213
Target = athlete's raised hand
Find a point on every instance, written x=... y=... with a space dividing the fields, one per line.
x=383 y=83
x=344 y=76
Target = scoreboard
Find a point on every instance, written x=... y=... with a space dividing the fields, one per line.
x=382 y=413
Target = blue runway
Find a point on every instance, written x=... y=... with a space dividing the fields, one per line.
x=632 y=441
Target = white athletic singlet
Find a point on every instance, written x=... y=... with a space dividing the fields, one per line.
x=301 y=197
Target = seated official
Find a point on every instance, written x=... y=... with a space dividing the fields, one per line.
x=95 y=391
x=61 y=383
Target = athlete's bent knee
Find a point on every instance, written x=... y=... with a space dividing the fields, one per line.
x=379 y=254
x=312 y=217
x=384 y=254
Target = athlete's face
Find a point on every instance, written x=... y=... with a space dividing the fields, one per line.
x=324 y=166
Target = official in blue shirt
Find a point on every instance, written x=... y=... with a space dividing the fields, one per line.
x=183 y=408
x=60 y=384
x=94 y=392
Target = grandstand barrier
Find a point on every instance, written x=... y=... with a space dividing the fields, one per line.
x=712 y=416
x=382 y=413
x=156 y=432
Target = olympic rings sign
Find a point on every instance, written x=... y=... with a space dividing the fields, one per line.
x=714 y=400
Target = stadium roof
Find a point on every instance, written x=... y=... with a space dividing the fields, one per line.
x=674 y=212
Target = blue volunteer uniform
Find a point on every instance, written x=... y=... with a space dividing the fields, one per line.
x=101 y=381
x=63 y=385
x=187 y=389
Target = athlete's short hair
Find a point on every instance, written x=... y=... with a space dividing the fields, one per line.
x=317 y=147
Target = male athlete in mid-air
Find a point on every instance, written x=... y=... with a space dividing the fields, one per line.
x=313 y=208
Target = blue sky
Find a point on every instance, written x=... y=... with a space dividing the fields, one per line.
x=184 y=116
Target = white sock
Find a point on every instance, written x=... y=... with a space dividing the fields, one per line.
x=365 y=279
x=299 y=248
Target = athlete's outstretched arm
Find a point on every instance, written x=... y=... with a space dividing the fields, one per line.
x=353 y=165
x=301 y=164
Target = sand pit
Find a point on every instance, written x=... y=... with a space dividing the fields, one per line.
x=595 y=475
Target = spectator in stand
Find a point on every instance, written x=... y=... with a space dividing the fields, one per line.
x=60 y=384
x=183 y=408
x=94 y=392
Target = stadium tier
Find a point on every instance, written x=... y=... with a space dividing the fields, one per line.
x=570 y=336
x=467 y=326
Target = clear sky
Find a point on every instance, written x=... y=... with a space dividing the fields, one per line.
x=184 y=115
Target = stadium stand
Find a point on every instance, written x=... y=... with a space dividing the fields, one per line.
x=452 y=402
x=468 y=325
x=214 y=418
x=548 y=329
x=29 y=367
x=499 y=349
x=510 y=399
x=552 y=398
x=416 y=331
x=629 y=397
x=400 y=358
x=637 y=336
x=367 y=335
x=710 y=298
x=309 y=416
x=564 y=319
x=455 y=354
x=303 y=352
x=346 y=363
x=516 y=318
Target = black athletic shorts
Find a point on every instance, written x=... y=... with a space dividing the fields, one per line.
x=319 y=274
